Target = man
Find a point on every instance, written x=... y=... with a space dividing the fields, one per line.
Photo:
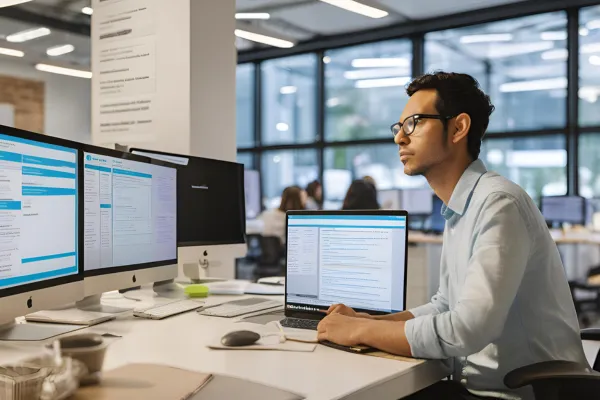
x=503 y=300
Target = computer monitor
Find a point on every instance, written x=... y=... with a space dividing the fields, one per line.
x=210 y=197
x=437 y=223
x=564 y=209
x=389 y=199
x=358 y=258
x=130 y=222
x=414 y=201
x=252 y=193
x=40 y=215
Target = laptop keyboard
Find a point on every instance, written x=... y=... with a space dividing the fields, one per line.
x=298 y=323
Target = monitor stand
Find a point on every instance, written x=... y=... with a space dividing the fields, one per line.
x=169 y=289
x=31 y=332
x=94 y=303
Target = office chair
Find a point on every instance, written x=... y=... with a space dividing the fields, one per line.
x=560 y=380
x=589 y=304
x=270 y=262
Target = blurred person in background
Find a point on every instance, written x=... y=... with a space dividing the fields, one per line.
x=314 y=191
x=292 y=198
x=361 y=195
x=369 y=179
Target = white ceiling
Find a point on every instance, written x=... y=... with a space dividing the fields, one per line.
x=298 y=20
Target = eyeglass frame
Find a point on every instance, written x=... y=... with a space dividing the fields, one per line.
x=443 y=118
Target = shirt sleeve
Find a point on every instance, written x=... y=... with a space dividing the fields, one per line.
x=438 y=305
x=496 y=267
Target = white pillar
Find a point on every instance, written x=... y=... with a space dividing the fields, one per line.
x=164 y=79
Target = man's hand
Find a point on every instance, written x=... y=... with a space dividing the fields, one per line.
x=345 y=310
x=341 y=309
x=340 y=329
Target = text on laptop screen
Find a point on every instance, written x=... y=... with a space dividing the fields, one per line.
x=358 y=260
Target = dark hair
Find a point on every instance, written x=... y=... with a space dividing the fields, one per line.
x=291 y=199
x=456 y=94
x=361 y=195
x=312 y=187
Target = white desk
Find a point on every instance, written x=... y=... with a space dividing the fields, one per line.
x=324 y=374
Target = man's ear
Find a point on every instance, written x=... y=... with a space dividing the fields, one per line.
x=462 y=124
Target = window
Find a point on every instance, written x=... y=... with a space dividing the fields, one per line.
x=364 y=89
x=244 y=102
x=289 y=100
x=589 y=66
x=537 y=164
x=343 y=164
x=520 y=63
x=247 y=159
x=284 y=168
x=589 y=165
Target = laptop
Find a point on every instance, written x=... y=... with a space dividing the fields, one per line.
x=358 y=258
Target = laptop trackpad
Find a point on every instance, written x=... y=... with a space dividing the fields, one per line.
x=264 y=319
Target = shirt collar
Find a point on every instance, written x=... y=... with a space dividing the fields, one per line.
x=463 y=191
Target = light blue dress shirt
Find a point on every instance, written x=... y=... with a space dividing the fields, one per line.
x=503 y=301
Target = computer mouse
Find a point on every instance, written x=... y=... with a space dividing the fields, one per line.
x=240 y=338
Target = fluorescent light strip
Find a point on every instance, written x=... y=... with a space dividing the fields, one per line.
x=8 y=3
x=63 y=71
x=533 y=85
x=29 y=34
x=594 y=60
x=385 y=82
x=252 y=16
x=60 y=50
x=373 y=73
x=491 y=37
x=593 y=24
x=557 y=54
x=87 y=10
x=288 y=89
x=271 y=41
x=11 y=52
x=380 y=62
x=553 y=35
x=359 y=8
x=590 y=48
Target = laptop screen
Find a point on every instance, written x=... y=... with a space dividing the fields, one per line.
x=358 y=260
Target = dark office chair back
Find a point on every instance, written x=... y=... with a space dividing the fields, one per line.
x=271 y=251
x=560 y=380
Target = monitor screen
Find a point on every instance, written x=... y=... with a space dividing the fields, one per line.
x=252 y=193
x=130 y=213
x=569 y=209
x=437 y=223
x=210 y=198
x=356 y=259
x=417 y=201
x=38 y=211
x=389 y=199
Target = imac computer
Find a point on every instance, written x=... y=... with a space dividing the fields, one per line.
x=414 y=201
x=130 y=223
x=437 y=223
x=210 y=197
x=564 y=209
x=252 y=194
x=40 y=241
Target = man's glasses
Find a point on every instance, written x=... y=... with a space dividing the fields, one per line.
x=410 y=123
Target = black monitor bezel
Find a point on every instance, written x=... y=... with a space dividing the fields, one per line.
x=241 y=240
x=317 y=315
x=63 y=280
x=86 y=148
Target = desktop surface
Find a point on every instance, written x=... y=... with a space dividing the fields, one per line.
x=356 y=258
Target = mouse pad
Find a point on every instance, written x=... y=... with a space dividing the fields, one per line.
x=269 y=341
